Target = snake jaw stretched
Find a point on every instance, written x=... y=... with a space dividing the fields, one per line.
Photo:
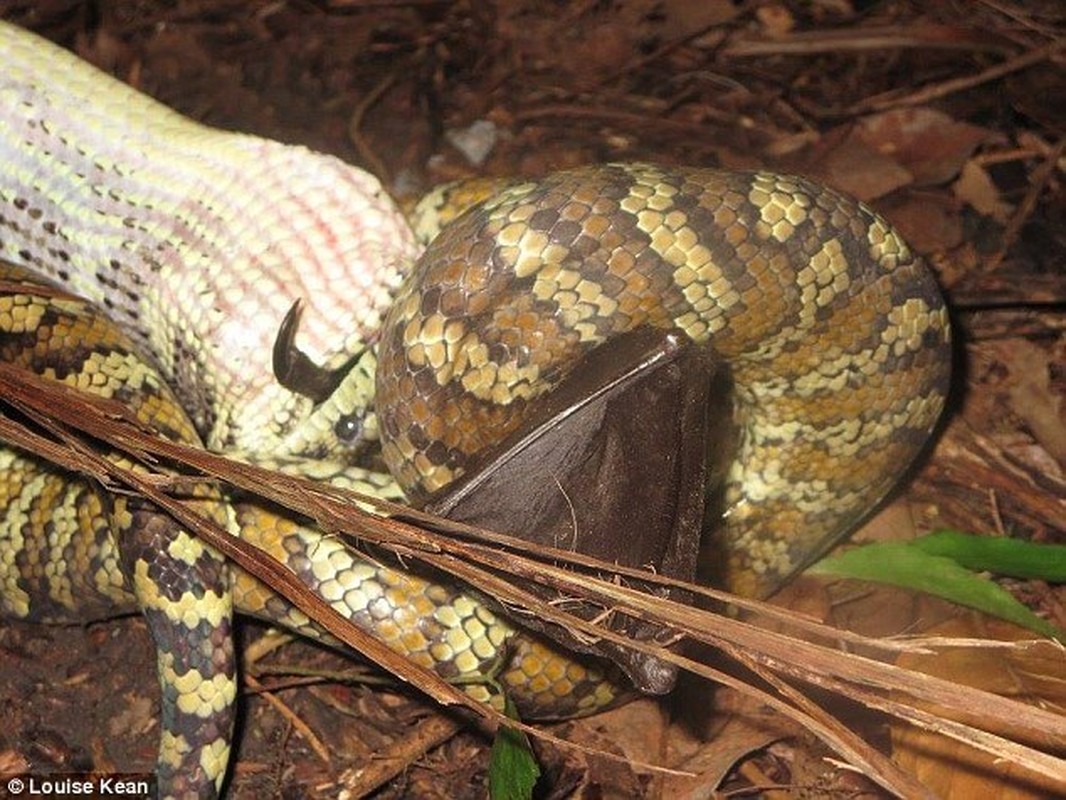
x=196 y=240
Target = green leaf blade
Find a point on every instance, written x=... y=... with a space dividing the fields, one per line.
x=513 y=769
x=1004 y=556
x=904 y=565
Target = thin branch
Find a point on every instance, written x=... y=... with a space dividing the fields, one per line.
x=945 y=88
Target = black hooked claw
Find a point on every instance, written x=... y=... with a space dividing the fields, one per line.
x=295 y=370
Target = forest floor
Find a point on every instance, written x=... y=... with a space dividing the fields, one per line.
x=946 y=116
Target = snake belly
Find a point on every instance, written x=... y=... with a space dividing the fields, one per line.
x=197 y=240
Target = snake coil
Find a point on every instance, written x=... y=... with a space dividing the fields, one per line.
x=190 y=247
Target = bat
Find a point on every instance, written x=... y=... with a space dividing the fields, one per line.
x=613 y=463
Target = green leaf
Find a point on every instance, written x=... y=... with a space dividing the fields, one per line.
x=903 y=564
x=513 y=770
x=998 y=554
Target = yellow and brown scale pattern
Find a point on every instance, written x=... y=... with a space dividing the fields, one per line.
x=833 y=330
x=835 y=334
x=437 y=623
x=70 y=552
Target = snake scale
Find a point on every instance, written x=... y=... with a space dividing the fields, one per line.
x=179 y=252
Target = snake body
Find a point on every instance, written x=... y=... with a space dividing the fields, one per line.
x=191 y=245
x=71 y=553
x=834 y=331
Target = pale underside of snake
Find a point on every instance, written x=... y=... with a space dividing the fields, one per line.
x=197 y=243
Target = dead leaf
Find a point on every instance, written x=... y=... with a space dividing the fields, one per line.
x=139 y=717
x=603 y=49
x=1034 y=675
x=683 y=18
x=775 y=20
x=894 y=523
x=929 y=221
x=976 y=188
x=876 y=609
x=1037 y=92
x=929 y=144
x=12 y=762
x=859 y=170
x=1031 y=394
x=830 y=9
x=577 y=774
x=713 y=761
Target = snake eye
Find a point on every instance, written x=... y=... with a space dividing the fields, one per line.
x=349 y=428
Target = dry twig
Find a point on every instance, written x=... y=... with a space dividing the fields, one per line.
x=493 y=570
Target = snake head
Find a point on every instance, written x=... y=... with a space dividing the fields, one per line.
x=342 y=420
